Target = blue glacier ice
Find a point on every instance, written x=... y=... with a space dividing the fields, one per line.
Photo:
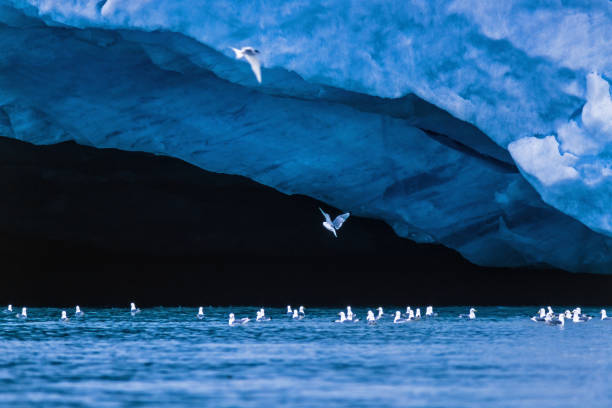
x=485 y=126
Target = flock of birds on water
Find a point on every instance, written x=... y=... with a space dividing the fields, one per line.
x=545 y=316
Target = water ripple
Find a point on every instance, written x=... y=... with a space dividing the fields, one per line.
x=166 y=357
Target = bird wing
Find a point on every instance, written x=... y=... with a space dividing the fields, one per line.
x=237 y=52
x=255 y=65
x=326 y=215
x=330 y=228
x=340 y=220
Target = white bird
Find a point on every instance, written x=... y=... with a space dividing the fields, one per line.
x=471 y=315
x=371 y=319
x=380 y=313
x=78 y=312
x=541 y=316
x=560 y=321
x=234 y=322
x=429 y=311
x=550 y=310
x=418 y=313
x=289 y=311
x=23 y=315
x=302 y=313
x=577 y=318
x=408 y=311
x=133 y=309
x=604 y=315
x=200 y=314
x=582 y=315
x=261 y=316
x=350 y=315
x=342 y=318
x=398 y=318
x=9 y=309
x=410 y=315
x=296 y=315
x=250 y=54
x=336 y=224
x=64 y=318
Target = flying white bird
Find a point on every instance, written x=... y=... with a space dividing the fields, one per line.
x=250 y=54
x=336 y=224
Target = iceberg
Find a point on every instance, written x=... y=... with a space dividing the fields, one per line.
x=481 y=126
x=573 y=172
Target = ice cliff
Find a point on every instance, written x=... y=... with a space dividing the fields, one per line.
x=482 y=125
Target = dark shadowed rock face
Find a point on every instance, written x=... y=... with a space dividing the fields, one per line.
x=85 y=225
x=135 y=203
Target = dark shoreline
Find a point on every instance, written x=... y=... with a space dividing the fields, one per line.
x=228 y=283
x=102 y=227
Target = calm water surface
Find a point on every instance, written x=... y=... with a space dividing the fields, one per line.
x=165 y=357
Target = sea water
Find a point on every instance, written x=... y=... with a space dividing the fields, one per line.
x=166 y=357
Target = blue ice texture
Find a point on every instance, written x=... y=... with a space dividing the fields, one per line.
x=485 y=126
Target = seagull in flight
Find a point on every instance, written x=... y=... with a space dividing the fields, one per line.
x=336 y=224
x=250 y=54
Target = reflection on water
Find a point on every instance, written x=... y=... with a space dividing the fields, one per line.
x=167 y=357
